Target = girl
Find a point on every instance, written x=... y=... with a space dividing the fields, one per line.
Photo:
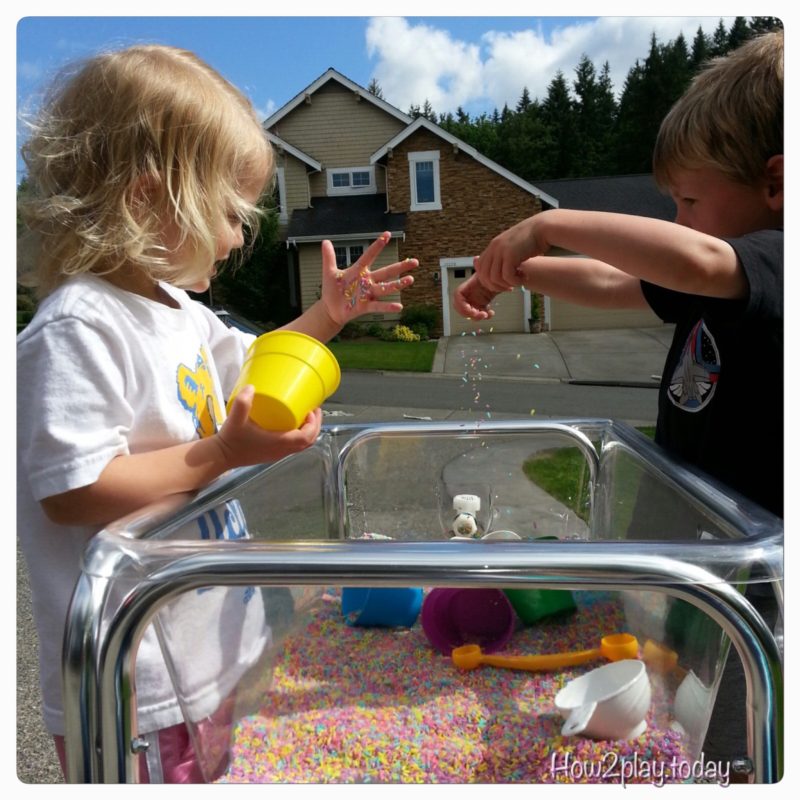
x=146 y=165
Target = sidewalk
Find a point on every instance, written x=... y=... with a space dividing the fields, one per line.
x=628 y=357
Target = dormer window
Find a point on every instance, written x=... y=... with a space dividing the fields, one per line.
x=423 y=169
x=351 y=180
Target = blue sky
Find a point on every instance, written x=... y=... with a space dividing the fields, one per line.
x=478 y=63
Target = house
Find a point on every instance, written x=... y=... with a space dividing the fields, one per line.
x=350 y=166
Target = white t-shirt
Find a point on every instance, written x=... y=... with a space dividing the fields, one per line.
x=103 y=372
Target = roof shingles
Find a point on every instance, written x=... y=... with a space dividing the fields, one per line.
x=362 y=215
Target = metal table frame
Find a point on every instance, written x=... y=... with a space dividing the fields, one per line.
x=98 y=666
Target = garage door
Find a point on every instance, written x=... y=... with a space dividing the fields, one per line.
x=566 y=316
x=509 y=308
x=569 y=317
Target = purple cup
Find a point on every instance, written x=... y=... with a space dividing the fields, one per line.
x=455 y=617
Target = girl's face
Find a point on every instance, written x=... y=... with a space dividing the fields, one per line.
x=229 y=235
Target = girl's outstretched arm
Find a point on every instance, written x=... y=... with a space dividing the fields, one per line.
x=349 y=293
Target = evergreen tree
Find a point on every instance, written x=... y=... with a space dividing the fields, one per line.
x=739 y=33
x=585 y=108
x=701 y=50
x=765 y=24
x=676 y=72
x=595 y=114
x=374 y=88
x=524 y=102
x=607 y=111
x=558 y=116
x=719 y=41
x=256 y=284
x=590 y=132
x=629 y=154
x=428 y=112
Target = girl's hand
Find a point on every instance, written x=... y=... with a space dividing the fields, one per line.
x=244 y=443
x=472 y=299
x=498 y=265
x=349 y=293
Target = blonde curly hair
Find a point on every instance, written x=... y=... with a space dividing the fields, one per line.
x=128 y=143
x=731 y=116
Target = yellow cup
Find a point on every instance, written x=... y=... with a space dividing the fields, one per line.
x=292 y=374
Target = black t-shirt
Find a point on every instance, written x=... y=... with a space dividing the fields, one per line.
x=720 y=404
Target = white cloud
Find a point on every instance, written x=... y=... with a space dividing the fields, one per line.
x=422 y=62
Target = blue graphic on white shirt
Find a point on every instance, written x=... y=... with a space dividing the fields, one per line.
x=229 y=525
x=695 y=378
x=196 y=394
x=225 y=522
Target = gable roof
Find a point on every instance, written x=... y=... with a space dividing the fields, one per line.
x=422 y=122
x=332 y=75
x=623 y=194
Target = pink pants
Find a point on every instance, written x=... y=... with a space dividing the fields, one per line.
x=178 y=759
x=171 y=750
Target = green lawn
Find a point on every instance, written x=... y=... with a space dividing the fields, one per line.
x=562 y=473
x=400 y=356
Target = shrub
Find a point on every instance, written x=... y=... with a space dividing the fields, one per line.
x=353 y=330
x=421 y=330
x=426 y=315
x=402 y=333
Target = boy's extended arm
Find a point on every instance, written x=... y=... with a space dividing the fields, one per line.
x=660 y=252
x=130 y=482
x=586 y=282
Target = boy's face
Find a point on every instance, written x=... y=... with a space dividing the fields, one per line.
x=710 y=202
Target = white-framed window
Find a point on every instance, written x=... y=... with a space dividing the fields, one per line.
x=351 y=180
x=347 y=254
x=423 y=172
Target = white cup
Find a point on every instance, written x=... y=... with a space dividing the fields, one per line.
x=692 y=706
x=610 y=702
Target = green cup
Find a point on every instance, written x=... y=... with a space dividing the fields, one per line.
x=534 y=605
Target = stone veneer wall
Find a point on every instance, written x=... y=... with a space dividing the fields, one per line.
x=477 y=204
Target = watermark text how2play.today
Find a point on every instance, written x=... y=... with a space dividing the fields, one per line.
x=612 y=767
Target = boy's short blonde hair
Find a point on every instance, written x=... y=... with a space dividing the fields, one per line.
x=731 y=116
x=130 y=142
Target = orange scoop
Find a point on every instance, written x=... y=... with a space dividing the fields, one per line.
x=615 y=647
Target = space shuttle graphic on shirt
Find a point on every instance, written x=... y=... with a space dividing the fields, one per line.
x=695 y=378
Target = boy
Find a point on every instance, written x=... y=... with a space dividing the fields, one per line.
x=716 y=272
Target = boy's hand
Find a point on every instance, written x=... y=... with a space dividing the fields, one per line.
x=472 y=299
x=349 y=293
x=498 y=265
x=244 y=443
